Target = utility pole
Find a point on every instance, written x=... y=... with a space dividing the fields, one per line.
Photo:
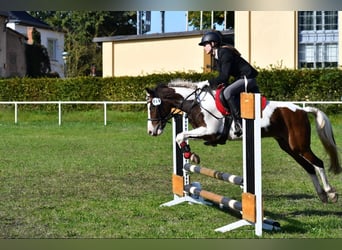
x=201 y=20
x=212 y=20
x=162 y=13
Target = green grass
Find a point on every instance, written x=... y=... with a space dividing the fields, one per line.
x=86 y=180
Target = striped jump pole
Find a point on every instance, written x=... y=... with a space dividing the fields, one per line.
x=234 y=179
x=216 y=198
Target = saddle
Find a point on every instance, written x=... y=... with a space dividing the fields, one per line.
x=220 y=101
x=221 y=105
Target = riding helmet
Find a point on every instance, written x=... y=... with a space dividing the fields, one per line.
x=211 y=36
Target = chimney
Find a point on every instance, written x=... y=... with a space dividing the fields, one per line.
x=30 y=35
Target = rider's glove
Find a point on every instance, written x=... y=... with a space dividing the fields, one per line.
x=203 y=84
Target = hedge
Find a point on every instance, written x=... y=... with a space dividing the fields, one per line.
x=276 y=84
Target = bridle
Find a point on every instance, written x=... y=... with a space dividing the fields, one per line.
x=158 y=103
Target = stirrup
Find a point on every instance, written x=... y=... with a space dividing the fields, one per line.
x=238 y=129
x=238 y=133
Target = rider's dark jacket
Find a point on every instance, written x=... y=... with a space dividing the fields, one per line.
x=230 y=63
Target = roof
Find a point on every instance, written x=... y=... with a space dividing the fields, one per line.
x=24 y=18
x=4 y=13
x=155 y=36
x=16 y=33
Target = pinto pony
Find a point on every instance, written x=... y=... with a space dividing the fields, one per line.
x=286 y=122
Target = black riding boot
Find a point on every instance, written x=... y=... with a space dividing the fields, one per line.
x=235 y=111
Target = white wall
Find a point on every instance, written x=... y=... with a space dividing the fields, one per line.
x=267 y=38
x=58 y=64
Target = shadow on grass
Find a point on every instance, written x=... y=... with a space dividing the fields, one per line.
x=293 y=225
x=291 y=196
x=299 y=226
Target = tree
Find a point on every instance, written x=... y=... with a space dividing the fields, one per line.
x=37 y=58
x=80 y=27
x=195 y=19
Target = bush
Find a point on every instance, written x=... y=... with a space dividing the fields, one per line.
x=276 y=84
x=301 y=85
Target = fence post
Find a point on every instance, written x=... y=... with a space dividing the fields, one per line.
x=59 y=113
x=15 y=112
x=105 y=113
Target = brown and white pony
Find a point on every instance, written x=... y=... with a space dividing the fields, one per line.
x=286 y=122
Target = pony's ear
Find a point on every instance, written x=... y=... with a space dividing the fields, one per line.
x=149 y=91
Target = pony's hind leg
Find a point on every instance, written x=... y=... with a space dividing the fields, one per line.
x=319 y=167
x=310 y=163
x=330 y=191
x=327 y=191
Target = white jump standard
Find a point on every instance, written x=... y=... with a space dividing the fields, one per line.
x=251 y=206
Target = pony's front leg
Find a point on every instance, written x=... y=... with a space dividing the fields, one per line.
x=185 y=147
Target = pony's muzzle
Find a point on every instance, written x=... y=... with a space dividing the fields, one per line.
x=154 y=130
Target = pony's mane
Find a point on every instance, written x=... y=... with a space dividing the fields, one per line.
x=164 y=91
x=182 y=83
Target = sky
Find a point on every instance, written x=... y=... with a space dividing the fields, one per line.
x=174 y=21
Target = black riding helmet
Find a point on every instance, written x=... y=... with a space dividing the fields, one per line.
x=209 y=37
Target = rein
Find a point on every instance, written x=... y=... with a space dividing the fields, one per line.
x=156 y=102
x=209 y=112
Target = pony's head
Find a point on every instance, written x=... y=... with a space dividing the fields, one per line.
x=160 y=103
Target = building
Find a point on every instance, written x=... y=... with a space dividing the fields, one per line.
x=53 y=41
x=135 y=55
x=12 y=50
x=292 y=39
x=288 y=39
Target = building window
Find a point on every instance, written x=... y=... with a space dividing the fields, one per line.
x=318 y=39
x=52 y=48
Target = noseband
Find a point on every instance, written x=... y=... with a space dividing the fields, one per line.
x=156 y=102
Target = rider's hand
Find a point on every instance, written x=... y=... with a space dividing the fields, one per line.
x=203 y=84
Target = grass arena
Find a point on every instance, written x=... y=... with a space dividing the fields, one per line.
x=87 y=180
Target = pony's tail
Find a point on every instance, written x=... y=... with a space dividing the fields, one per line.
x=326 y=135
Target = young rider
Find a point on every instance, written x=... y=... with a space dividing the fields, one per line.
x=229 y=63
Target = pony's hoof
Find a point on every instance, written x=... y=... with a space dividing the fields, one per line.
x=195 y=158
x=333 y=196
x=323 y=197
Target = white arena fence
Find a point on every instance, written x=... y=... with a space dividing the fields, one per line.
x=105 y=103
x=60 y=103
